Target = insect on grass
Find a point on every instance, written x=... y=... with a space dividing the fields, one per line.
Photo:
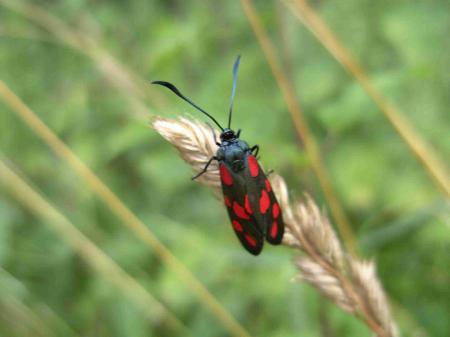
x=250 y=201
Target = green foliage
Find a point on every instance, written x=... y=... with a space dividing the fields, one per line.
x=398 y=215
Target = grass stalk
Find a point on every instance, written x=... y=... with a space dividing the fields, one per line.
x=117 y=207
x=99 y=261
x=301 y=126
x=351 y=283
x=132 y=87
x=424 y=153
x=39 y=314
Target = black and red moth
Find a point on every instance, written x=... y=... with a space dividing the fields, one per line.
x=251 y=204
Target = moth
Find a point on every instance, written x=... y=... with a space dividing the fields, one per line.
x=253 y=209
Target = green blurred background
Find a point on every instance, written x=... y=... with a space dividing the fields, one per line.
x=399 y=217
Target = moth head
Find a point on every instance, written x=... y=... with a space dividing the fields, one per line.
x=227 y=135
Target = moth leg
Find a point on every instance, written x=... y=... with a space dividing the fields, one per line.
x=205 y=168
x=255 y=149
x=238 y=133
x=214 y=134
x=268 y=173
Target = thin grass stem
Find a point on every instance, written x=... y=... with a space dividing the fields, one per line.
x=40 y=311
x=301 y=126
x=351 y=283
x=99 y=261
x=424 y=153
x=132 y=87
x=13 y=309
x=117 y=207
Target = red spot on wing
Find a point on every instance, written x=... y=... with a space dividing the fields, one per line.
x=253 y=166
x=268 y=187
x=237 y=226
x=227 y=201
x=274 y=230
x=240 y=211
x=250 y=239
x=225 y=175
x=275 y=210
x=248 y=208
x=264 y=202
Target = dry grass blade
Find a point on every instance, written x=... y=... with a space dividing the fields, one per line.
x=16 y=293
x=301 y=125
x=369 y=288
x=423 y=152
x=317 y=230
x=99 y=261
x=117 y=207
x=188 y=143
x=12 y=310
x=125 y=81
x=351 y=284
x=326 y=266
x=325 y=282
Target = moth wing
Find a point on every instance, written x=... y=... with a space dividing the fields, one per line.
x=237 y=202
x=266 y=208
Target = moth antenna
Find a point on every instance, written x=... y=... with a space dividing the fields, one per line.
x=233 y=90
x=177 y=92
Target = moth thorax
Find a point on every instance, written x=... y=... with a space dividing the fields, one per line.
x=237 y=165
